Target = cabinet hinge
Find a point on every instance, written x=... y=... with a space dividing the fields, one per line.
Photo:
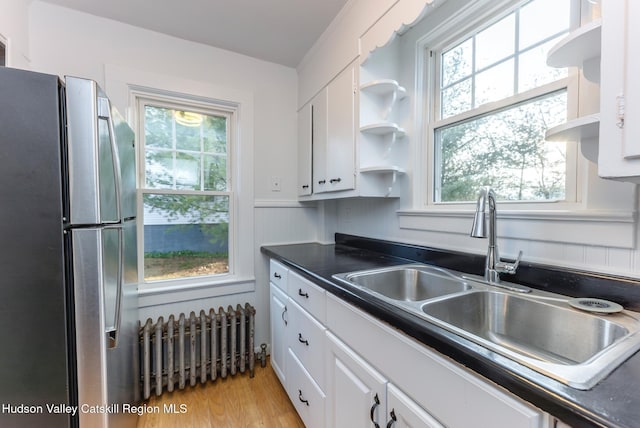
x=620 y=110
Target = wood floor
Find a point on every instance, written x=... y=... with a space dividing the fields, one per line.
x=235 y=402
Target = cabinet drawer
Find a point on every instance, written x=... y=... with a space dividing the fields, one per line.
x=306 y=396
x=307 y=341
x=278 y=274
x=308 y=295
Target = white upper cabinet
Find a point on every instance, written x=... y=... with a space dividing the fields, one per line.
x=326 y=139
x=305 y=179
x=619 y=147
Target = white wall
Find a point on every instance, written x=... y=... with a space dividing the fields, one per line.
x=14 y=27
x=67 y=42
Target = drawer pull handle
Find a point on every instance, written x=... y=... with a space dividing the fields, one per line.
x=376 y=403
x=393 y=418
x=335 y=180
x=284 y=312
x=277 y=275
x=302 y=339
x=302 y=399
x=306 y=186
x=303 y=294
x=322 y=181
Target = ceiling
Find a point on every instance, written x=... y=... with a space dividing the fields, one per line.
x=279 y=31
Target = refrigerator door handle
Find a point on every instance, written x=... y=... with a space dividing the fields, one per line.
x=112 y=331
x=104 y=112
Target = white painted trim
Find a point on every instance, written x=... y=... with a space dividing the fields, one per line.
x=122 y=84
x=149 y=295
x=284 y=203
x=609 y=228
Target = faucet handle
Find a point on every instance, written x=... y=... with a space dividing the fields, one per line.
x=509 y=268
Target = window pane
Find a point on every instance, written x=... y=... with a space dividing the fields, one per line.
x=188 y=132
x=3 y=54
x=215 y=134
x=187 y=171
x=185 y=236
x=541 y=19
x=533 y=70
x=215 y=173
x=158 y=127
x=495 y=43
x=495 y=83
x=456 y=63
x=159 y=169
x=185 y=150
x=456 y=99
x=505 y=150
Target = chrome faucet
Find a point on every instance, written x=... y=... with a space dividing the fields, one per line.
x=493 y=266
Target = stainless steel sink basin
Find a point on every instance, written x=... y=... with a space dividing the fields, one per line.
x=408 y=282
x=538 y=330
x=541 y=332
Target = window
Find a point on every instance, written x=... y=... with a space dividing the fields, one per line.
x=494 y=98
x=186 y=186
x=3 y=53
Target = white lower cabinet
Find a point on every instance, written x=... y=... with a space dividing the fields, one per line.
x=361 y=397
x=307 y=341
x=305 y=394
x=279 y=324
x=403 y=412
x=358 y=396
x=342 y=367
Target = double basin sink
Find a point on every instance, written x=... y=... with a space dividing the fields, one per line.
x=539 y=330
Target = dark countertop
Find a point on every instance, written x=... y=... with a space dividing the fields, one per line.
x=614 y=402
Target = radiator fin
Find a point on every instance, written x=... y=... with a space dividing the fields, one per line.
x=206 y=346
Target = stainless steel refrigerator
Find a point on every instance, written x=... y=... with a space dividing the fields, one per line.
x=68 y=268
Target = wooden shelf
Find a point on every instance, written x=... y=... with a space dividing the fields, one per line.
x=575 y=130
x=383 y=128
x=579 y=47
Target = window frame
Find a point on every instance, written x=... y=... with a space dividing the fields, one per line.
x=211 y=107
x=429 y=60
x=591 y=220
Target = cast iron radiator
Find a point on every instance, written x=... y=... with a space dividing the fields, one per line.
x=199 y=347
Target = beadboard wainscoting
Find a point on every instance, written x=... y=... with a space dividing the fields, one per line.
x=381 y=219
x=278 y=222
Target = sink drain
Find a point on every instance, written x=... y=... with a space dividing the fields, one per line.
x=595 y=305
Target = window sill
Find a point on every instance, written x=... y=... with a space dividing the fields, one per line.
x=607 y=228
x=153 y=294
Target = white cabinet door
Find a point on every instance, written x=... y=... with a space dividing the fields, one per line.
x=341 y=126
x=406 y=413
x=279 y=324
x=356 y=393
x=619 y=146
x=304 y=150
x=333 y=131
x=319 y=132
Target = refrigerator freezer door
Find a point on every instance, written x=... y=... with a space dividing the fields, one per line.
x=97 y=274
x=94 y=169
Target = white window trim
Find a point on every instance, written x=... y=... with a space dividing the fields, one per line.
x=563 y=222
x=123 y=86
